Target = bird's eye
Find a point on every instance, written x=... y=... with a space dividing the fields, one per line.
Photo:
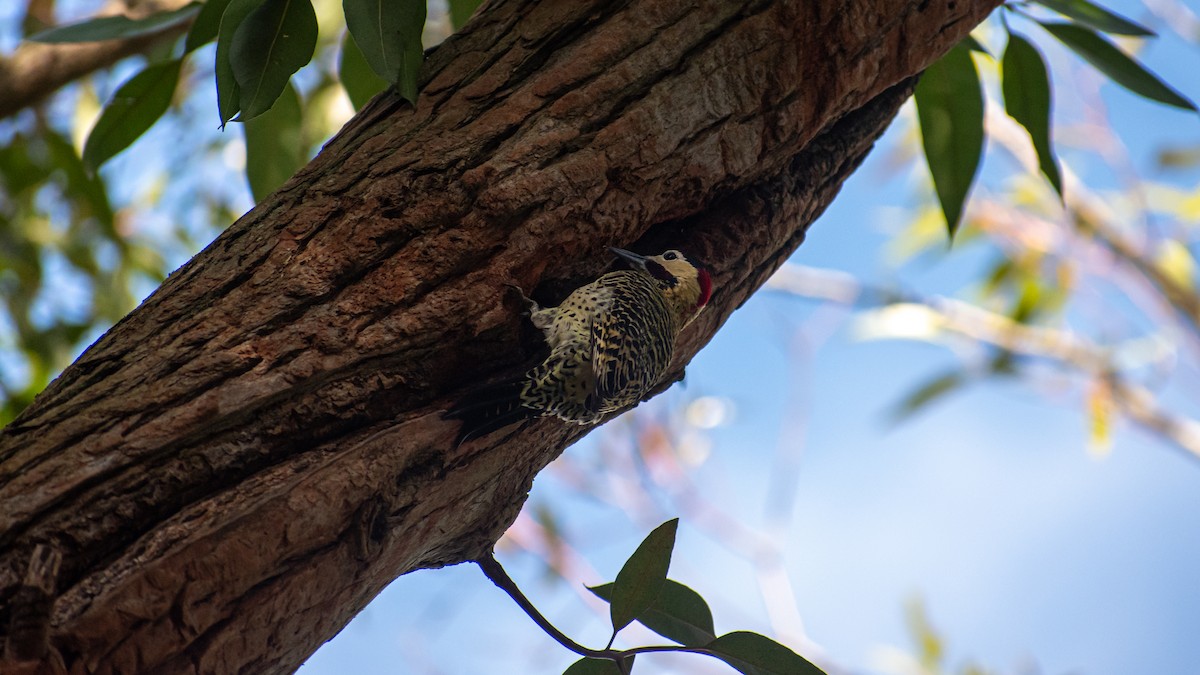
x=670 y=255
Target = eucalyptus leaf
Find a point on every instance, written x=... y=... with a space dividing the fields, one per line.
x=950 y=111
x=228 y=92
x=643 y=576
x=86 y=186
x=389 y=34
x=588 y=666
x=360 y=82
x=274 y=146
x=117 y=27
x=19 y=171
x=754 y=654
x=272 y=42
x=1096 y=17
x=461 y=11
x=932 y=390
x=134 y=108
x=204 y=28
x=1114 y=63
x=678 y=613
x=1028 y=100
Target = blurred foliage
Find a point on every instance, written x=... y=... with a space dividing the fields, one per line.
x=949 y=97
x=58 y=231
x=1082 y=291
x=929 y=657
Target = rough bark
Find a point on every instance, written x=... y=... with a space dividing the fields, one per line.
x=240 y=465
x=34 y=71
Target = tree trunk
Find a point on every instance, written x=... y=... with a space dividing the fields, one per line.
x=241 y=464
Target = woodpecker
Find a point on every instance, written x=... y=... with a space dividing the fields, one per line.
x=610 y=342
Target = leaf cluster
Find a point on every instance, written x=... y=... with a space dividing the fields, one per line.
x=950 y=97
x=643 y=593
x=260 y=45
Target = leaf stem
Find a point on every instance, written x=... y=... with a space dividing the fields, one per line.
x=494 y=571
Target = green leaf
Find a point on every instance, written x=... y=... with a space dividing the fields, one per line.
x=930 y=647
x=1116 y=65
x=932 y=390
x=228 y=92
x=19 y=171
x=950 y=110
x=1097 y=17
x=587 y=666
x=389 y=34
x=117 y=27
x=643 y=576
x=678 y=613
x=461 y=10
x=754 y=654
x=274 y=147
x=360 y=82
x=1027 y=99
x=273 y=41
x=204 y=28
x=134 y=108
x=86 y=187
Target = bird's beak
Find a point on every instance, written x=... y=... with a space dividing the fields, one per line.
x=629 y=256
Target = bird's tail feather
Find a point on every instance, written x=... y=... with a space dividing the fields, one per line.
x=490 y=409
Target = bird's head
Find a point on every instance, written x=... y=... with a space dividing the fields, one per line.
x=686 y=285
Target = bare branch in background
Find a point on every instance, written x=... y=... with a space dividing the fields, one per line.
x=1061 y=347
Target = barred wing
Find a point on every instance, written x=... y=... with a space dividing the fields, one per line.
x=632 y=343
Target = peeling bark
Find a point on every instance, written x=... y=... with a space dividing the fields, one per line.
x=241 y=464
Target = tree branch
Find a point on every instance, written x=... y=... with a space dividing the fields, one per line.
x=34 y=70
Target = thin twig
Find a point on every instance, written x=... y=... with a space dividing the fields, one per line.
x=493 y=570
